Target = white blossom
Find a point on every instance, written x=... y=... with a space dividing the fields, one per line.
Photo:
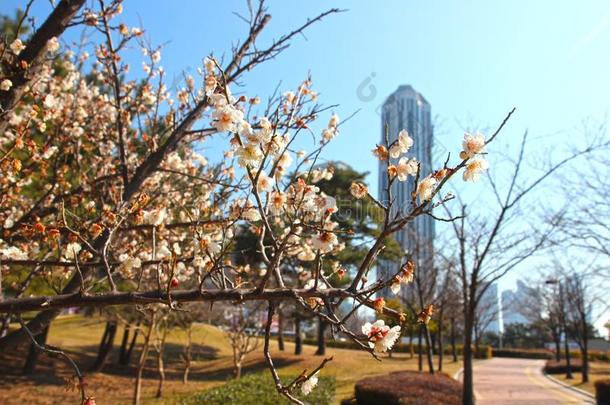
x=17 y=46
x=402 y=145
x=72 y=250
x=380 y=336
x=426 y=187
x=13 y=253
x=474 y=168
x=6 y=85
x=472 y=144
x=358 y=190
x=310 y=384
x=324 y=241
x=406 y=167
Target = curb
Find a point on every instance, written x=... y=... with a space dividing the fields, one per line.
x=568 y=386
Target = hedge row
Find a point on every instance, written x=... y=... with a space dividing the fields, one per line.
x=561 y=367
x=485 y=352
x=409 y=388
x=259 y=389
x=602 y=391
x=523 y=353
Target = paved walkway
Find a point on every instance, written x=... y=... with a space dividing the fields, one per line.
x=520 y=381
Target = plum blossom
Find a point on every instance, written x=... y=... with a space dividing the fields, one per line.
x=426 y=187
x=6 y=85
x=264 y=182
x=426 y=314
x=17 y=46
x=72 y=250
x=474 y=168
x=379 y=304
x=52 y=45
x=277 y=200
x=249 y=155
x=359 y=190
x=324 y=241
x=49 y=101
x=208 y=245
x=381 y=152
x=13 y=253
x=472 y=144
x=155 y=217
x=310 y=384
x=128 y=263
x=380 y=336
x=406 y=167
x=405 y=276
x=227 y=118
x=403 y=144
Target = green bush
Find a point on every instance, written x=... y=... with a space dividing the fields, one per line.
x=523 y=353
x=259 y=389
x=602 y=392
x=409 y=388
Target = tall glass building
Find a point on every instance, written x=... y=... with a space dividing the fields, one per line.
x=408 y=109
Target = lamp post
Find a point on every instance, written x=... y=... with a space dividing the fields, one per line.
x=564 y=326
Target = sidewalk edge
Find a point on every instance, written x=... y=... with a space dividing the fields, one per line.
x=568 y=386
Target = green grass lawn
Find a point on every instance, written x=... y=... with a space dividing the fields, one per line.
x=80 y=336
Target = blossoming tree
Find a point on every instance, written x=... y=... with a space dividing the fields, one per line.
x=105 y=201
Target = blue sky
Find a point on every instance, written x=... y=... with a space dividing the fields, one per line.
x=472 y=60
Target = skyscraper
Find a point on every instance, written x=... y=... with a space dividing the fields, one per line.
x=408 y=109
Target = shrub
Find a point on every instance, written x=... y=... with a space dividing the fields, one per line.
x=560 y=367
x=483 y=352
x=409 y=388
x=602 y=392
x=523 y=353
x=259 y=389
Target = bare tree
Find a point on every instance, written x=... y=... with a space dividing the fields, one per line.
x=488 y=247
x=244 y=335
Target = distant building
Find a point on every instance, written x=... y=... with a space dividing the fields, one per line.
x=489 y=312
x=511 y=302
x=408 y=109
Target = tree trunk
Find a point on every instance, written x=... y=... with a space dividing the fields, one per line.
x=280 y=331
x=585 y=351
x=127 y=359
x=188 y=354
x=411 y=350
x=124 y=341
x=34 y=353
x=569 y=375
x=476 y=341
x=420 y=359
x=429 y=347
x=298 y=341
x=160 y=364
x=557 y=340
x=105 y=347
x=321 y=338
x=237 y=370
x=453 y=347
x=440 y=343
x=142 y=361
x=467 y=381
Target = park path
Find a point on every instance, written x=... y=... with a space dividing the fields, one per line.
x=520 y=381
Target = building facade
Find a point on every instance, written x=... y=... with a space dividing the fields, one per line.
x=408 y=109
